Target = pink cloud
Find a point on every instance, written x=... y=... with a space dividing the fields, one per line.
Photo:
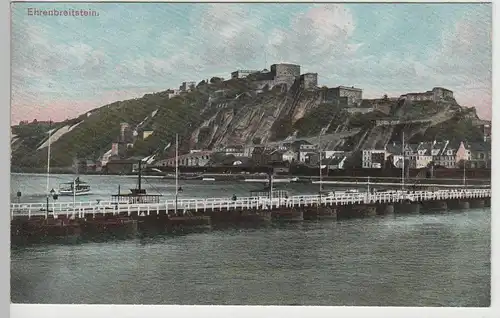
x=482 y=101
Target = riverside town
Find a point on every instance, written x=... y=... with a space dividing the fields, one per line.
x=359 y=156
x=284 y=158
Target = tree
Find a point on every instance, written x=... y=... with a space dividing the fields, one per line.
x=257 y=141
x=385 y=97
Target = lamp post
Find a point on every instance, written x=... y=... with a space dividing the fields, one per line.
x=320 y=149
x=47 y=207
x=270 y=181
x=463 y=163
x=54 y=196
x=176 y=172
x=403 y=163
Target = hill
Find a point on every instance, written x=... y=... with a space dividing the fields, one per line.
x=223 y=113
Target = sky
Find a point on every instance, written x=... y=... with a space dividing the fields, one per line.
x=63 y=66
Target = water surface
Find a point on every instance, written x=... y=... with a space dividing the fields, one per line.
x=420 y=260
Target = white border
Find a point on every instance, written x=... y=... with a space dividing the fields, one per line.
x=228 y=311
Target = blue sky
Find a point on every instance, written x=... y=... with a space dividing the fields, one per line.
x=63 y=66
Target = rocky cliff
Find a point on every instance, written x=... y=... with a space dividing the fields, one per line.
x=234 y=112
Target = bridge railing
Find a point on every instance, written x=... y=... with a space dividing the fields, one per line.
x=90 y=207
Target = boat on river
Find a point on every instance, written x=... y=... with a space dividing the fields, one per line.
x=76 y=187
x=136 y=195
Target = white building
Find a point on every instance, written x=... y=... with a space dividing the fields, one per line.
x=173 y=92
x=422 y=157
x=304 y=150
x=289 y=156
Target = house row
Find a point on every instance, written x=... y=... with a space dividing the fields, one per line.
x=294 y=152
x=300 y=152
x=438 y=153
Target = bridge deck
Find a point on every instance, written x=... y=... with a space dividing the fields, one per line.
x=80 y=209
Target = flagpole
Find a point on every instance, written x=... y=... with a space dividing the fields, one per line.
x=48 y=169
x=48 y=157
x=176 y=171
x=74 y=194
x=403 y=169
x=320 y=165
x=320 y=168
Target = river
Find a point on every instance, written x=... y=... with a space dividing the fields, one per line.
x=411 y=260
x=33 y=187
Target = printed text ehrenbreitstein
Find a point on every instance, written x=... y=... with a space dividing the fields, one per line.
x=66 y=12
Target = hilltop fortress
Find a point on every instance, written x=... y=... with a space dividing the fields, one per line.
x=284 y=76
